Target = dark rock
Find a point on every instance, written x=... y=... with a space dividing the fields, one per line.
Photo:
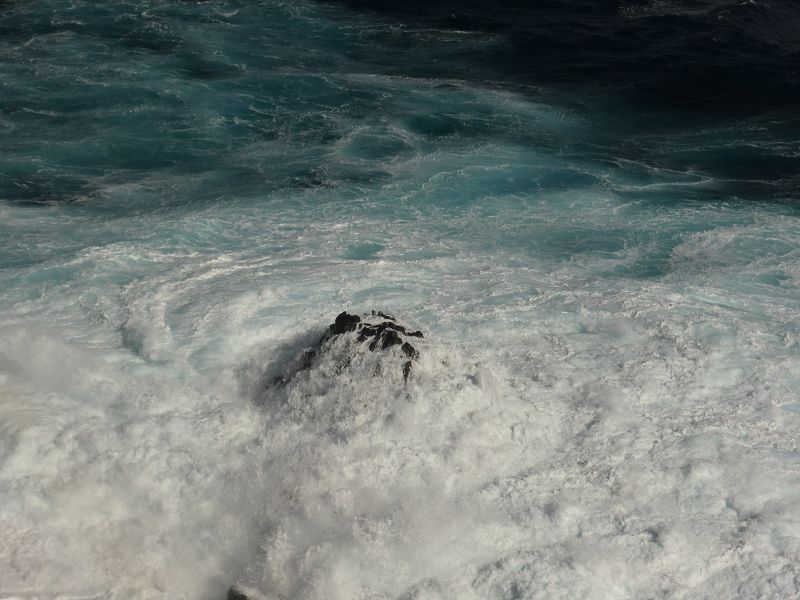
x=367 y=331
x=406 y=370
x=381 y=336
x=377 y=330
x=386 y=338
x=344 y=323
x=394 y=326
x=236 y=594
x=390 y=338
x=409 y=350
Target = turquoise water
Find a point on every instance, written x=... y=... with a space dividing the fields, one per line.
x=189 y=192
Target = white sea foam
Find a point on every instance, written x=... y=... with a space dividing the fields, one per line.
x=565 y=435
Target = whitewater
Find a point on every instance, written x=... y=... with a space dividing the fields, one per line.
x=606 y=402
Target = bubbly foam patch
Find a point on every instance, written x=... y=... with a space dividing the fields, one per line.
x=563 y=433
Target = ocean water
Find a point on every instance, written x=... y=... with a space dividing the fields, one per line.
x=590 y=209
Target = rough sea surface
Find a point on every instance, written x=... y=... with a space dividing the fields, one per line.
x=592 y=210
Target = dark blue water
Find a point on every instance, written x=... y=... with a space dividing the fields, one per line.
x=708 y=55
x=591 y=209
x=707 y=87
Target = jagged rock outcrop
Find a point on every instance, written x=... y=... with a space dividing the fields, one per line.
x=376 y=331
x=381 y=331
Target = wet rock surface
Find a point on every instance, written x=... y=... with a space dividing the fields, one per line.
x=378 y=330
x=381 y=331
x=237 y=594
x=375 y=331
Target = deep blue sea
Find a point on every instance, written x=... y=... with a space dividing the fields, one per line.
x=591 y=209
